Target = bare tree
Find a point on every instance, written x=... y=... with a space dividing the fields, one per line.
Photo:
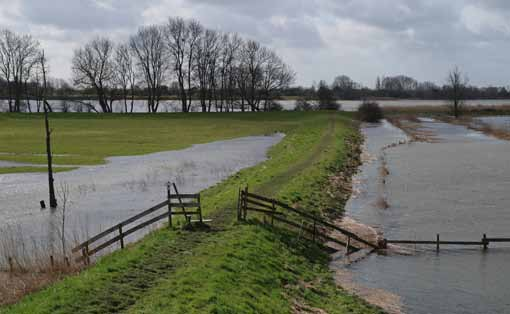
x=125 y=76
x=228 y=56
x=206 y=62
x=148 y=47
x=64 y=194
x=250 y=73
x=51 y=181
x=275 y=76
x=182 y=38
x=18 y=53
x=456 y=84
x=93 y=68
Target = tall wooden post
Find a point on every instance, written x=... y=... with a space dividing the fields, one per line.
x=437 y=243
x=53 y=199
x=485 y=242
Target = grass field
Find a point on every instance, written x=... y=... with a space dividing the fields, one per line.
x=81 y=139
x=233 y=267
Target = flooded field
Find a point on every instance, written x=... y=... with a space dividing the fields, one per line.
x=100 y=196
x=456 y=186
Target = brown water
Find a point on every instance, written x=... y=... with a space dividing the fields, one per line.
x=457 y=187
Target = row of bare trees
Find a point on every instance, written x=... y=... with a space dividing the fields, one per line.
x=20 y=57
x=220 y=70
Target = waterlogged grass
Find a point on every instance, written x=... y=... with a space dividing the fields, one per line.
x=231 y=268
x=27 y=169
x=86 y=139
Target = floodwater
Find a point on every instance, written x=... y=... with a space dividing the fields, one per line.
x=497 y=122
x=174 y=105
x=456 y=186
x=101 y=196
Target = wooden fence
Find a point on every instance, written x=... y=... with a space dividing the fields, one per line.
x=484 y=242
x=184 y=202
x=315 y=226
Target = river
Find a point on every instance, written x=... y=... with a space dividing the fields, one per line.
x=456 y=186
x=140 y=106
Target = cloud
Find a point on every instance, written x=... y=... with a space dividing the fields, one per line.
x=318 y=38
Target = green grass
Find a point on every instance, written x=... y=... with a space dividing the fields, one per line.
x=231 y=268
x=81 y=139
x=26 y=169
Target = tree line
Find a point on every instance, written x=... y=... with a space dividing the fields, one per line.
x=223 y=71
x=400 y=87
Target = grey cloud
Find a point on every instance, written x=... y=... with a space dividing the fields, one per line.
x=84 y=15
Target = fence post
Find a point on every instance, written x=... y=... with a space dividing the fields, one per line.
x=11 y=265
x=485 y=242
x=245 y=205
x=274 y=212
x=437 y=243
x=121 y=237
x=314 y=229
x=239 y=205
x=87 y=257
x=199 y=209
x=52 y=262
x=168 y=194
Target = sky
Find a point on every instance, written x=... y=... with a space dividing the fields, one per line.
x=319 y=39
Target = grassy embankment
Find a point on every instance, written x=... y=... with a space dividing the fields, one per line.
x=232 y=268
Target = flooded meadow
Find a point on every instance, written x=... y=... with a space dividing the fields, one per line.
x=456 y=185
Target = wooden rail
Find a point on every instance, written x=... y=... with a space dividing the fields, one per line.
x=257 y=203
x=485 y=241
x=184 y=201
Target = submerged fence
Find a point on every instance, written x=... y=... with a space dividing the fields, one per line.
x=484 y=242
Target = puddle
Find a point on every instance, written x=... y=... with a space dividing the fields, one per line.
x=101 y=196
x=456 y=186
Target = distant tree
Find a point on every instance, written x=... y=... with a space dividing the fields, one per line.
x=456 y=85
x=18 y=54
x=343 y=86
x=303 y=104
x=182 y=38
x=93 y=68
x=276 y=75
x=148 y=47
x=326 y=97
x=370 y=111
x=125 y=76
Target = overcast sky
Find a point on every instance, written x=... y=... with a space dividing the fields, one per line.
x=319 y=39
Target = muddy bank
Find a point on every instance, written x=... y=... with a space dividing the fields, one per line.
x=365 y=187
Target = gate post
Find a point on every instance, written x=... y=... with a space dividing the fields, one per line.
x=168 y=194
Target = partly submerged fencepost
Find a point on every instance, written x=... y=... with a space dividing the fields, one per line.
x=437 y=243
x=485 y=242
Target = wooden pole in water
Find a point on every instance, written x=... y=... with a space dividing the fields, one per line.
x=485 y=242
x=437 y=243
